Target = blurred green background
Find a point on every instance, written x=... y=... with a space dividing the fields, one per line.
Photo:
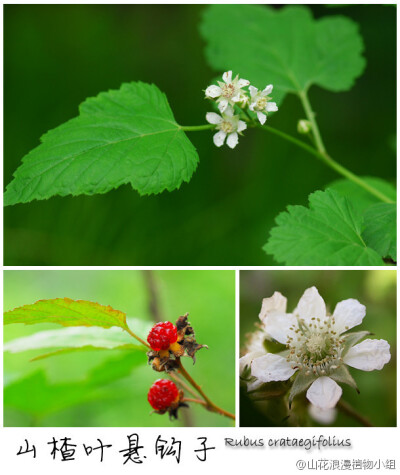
x=56 y=56
x=109 y=387
x=376 y=289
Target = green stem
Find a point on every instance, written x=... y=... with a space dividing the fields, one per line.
x=209 y=405
x=330 y=162
x=311 y=117
x=194 y=128
x=137 y=337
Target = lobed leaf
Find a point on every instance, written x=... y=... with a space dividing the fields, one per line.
x=360 y=198
x=326 y=233
x=285 y=47
x=380 y=229
x=123 y=136
x=68 y=313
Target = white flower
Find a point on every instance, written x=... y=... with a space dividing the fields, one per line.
x=228 y=125
x=228 y=92
x=260 y=103
x=318 y=347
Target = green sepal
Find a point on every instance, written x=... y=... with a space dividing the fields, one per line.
x=301 y=383
x=351 y=339
x=342 y=375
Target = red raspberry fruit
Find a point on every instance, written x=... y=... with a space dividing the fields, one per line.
x=162 y=335
x=162 y=394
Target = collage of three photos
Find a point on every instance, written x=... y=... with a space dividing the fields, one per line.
x=199 y=216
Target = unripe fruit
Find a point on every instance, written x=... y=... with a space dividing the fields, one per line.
x=162 y=335
x=163 y=394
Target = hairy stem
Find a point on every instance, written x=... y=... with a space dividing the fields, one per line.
x=209 y=405
x=350 y=411
x=197 y=401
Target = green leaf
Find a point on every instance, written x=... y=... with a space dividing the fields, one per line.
x=360 y=198
x=285 y=47
x=124 y=136
x=75 y=339
x=326 y=233
x=380 y=229
x=68 y=313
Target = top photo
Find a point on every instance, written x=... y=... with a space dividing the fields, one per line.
x=200 y=135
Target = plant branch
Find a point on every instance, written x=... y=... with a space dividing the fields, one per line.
x=209 y=405
x=198 y=401
x=176 y=378
x=311 y=117
x=345 y=407
x=330 y=162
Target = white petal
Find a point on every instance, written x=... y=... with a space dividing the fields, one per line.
x=271 y=367
x=213 y=91
x=213 y=118
x=229 y=111
x=236 y=97
x=278 y=324
x=311 y=305
x=275 y=303
x=243 y=82
x=324 y=393
x=251 y=106
x=271 y=107
x=368 y=355
x=247 y=359
x=222 y=105
x=261 y=117
x=348 y=314
x=241 y=126
x=253 y=91
x=323 y=416
x=232 y=140
x=227 y=77
x=268 y=90
x=219 y=138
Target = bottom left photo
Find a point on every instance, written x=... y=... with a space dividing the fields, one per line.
x=119 y=348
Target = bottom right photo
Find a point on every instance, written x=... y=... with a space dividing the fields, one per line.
x=318 y=348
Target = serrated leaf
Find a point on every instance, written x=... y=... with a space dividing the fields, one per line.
x=380 y=229
x=123 y=136
x=285 y=47
x=326 y=233
x=68 y=313
x=360 y=198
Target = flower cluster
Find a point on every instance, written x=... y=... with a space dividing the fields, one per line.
x=230 y=93
x=319 y=348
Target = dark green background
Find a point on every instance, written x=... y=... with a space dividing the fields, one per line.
x=57 y=56
x=376 y=289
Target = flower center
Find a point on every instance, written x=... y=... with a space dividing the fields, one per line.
x=227 y=127
x=315 y=347
x=316 y=343
x=261 y=103
x=228 y=90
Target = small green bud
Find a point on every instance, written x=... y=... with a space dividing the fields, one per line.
x=303 y=126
